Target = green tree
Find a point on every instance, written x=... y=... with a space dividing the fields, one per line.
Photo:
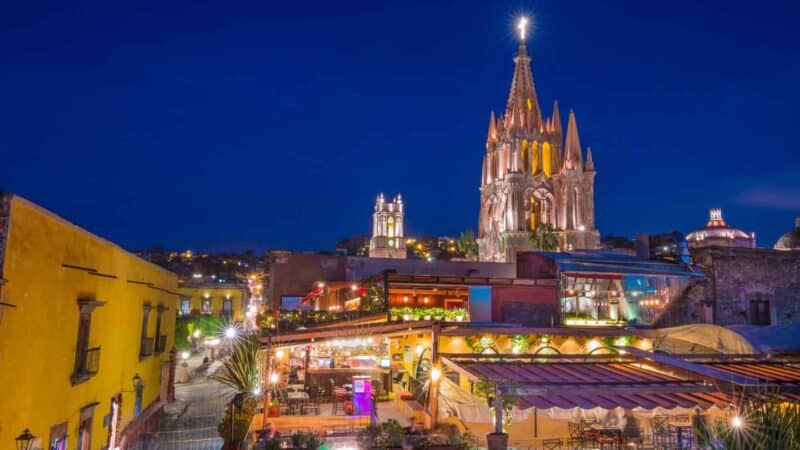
x=241 y=417
x=240 y=370
x=468 y=245
x=544 y=238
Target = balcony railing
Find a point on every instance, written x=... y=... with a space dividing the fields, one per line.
x=87 y=364
x=146 y=347
x=161 y=344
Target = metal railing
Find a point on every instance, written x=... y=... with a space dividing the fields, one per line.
x=88 y=364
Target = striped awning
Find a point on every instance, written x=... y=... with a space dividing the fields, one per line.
x=764 y=371
x=610 y=400
x=594 y=384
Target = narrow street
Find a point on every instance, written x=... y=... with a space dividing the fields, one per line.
x=190 y=423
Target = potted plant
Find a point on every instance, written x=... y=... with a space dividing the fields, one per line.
x=274 y=409
x=384 y=436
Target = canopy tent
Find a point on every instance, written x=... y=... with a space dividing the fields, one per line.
x=702 y=338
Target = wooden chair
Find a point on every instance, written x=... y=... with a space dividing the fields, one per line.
x=577 y=440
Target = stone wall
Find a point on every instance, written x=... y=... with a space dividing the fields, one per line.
x=736 y=277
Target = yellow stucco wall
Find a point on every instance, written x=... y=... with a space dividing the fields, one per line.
x=217 y=295
x=38 y=337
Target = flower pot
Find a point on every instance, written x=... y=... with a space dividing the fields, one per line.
x=407 y=317
x=497 y=441
x=274 y=411
x=427 y=317
x=459 y=318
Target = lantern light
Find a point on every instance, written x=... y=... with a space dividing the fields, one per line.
x=25 y=440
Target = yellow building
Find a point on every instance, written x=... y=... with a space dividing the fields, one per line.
x=86 y=330
x=225 y=301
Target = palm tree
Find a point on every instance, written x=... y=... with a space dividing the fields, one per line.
x=544 y=238
x=240 y=371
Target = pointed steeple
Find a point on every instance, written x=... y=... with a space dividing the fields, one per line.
x=522 y=95
x=492 y=134
x=589 y=166
x=572 y=148
x=556 y=119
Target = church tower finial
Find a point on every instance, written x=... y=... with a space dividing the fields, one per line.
x=522 y=97
x=572 y=148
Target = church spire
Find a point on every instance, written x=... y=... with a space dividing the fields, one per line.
x=522 y=95
x=572 y=148
x=556 y=119
x=492 y=135
x=589 y=161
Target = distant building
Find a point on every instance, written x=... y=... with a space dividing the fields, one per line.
x=608 y=289
x=744 y=286
x=618 y=244
x=228 y=301
x=387 y=229
x=790 y=240
x=353 y=246
x=717 y=233
x=664 y=246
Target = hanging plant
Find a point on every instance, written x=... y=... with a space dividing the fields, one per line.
x=480 y=345
x=520 y=343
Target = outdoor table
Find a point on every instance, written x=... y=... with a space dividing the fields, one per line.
x=296 y=399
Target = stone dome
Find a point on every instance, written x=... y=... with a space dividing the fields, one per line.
x=717 y=232
x=790 y=240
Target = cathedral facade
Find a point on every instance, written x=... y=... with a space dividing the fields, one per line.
x=533 y=174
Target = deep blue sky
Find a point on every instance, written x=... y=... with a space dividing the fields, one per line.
x=225 y=125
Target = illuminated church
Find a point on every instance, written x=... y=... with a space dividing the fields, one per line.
x=529 y=177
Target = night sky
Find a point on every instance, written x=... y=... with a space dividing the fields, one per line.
x=225 y=125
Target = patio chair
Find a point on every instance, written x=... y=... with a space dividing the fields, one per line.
x=311 y=407
x=552 y=444
x=608 y=440
x=576 y=440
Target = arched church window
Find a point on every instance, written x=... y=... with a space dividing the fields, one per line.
x=525 y=153
x=534 y=157
x=547 y=159
x=576 y=216
x=535 y=212
x=390 y=227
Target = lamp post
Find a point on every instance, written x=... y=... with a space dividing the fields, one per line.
x=138 y=389
x=25 y=440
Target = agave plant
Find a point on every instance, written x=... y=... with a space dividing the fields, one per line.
x=240 y=371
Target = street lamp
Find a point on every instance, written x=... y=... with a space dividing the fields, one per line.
x=137 y=382
x=25 y=440
x=230 y=332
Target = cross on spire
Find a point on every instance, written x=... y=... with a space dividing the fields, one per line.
x=522 y=26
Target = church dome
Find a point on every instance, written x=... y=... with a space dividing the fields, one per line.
x=790 y=240
x=717 y=232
